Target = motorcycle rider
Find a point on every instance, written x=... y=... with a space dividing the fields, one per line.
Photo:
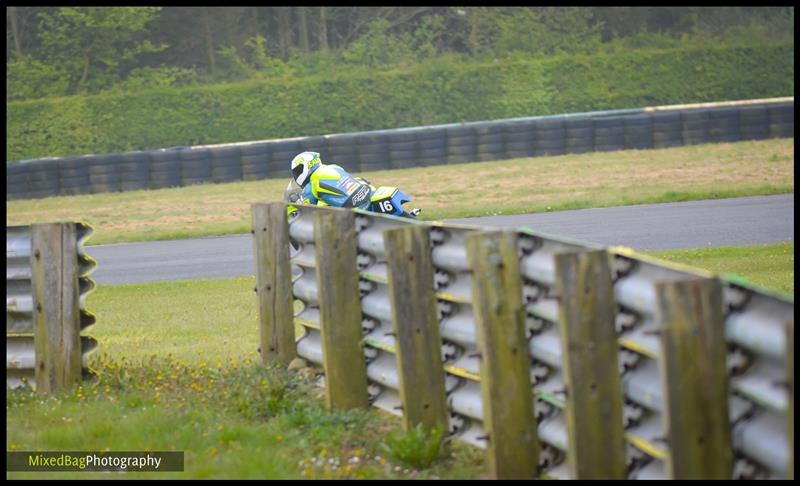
x=328 y=184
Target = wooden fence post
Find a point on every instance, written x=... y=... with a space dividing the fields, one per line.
x=589 y=346
x=695 y=380
x=416 y=327
x=506 y=389
x=340 y=309
x=56 y=312
x=273 y=282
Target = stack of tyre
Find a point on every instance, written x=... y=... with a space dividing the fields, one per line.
x=432 y=144
x=462 y=144
x=73 y=175
x=43 y=178
x=550 y=137
x=17 y=180
x=255 y=158
x=781 y=120
x=609 y=133
x=519 y=138
x=165 y=168
x=723 y=125
x=226 y=165
x=373 y=153
x=195 y=165
x=342 y=149
x=579 y=135
x=134 y=171
x=403 y=150
x=638 y=131
x=667 y=129
x=490 y=141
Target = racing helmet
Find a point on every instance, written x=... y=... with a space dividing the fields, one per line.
x=303 y=165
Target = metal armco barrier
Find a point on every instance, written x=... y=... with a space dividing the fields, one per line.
x=47 y=280
x=560 y=359
x=644 y=128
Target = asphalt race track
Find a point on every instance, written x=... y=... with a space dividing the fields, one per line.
x=722 y=222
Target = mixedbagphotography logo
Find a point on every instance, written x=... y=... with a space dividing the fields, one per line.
x=128 y=461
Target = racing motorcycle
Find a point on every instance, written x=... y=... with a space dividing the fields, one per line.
x=383 y=200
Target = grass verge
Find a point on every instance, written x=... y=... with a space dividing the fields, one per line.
x=239 y=421
x=768 y=266
x=573 y=181
x=178 y=371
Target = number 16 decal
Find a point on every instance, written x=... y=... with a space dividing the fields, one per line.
x=386 y=206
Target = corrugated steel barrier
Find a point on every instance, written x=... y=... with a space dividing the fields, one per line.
x=47 y=281
x=693 y=378
x=643 y=128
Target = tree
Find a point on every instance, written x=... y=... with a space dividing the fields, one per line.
x=284 y=30
x=22 y=30
x=91 y=44
x=302 y=29
x=11 y=18
x=322 y=38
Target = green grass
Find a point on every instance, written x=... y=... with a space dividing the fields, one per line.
x=573 y=181
x=195 y=321
x=178 y=370
x=768 y=266
x=240 y=421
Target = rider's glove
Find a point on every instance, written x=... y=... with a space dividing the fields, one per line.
x=415 y=212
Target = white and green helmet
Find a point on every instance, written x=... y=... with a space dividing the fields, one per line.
x=303 y=165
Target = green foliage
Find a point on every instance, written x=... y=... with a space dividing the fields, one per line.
x=378 y=48
x=645 y=40
x=146 y=78
x=95 y=49
x=482 y=27
x=440 y=90
x=258 y=48
x=28 y=78
x=251 y=63
x=415 y=448
x=262 y=62
x=549 y=31
x=232 y=66
x=93 y=44
x=427 y=38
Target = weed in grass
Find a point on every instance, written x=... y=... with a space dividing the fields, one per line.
x=415 y=448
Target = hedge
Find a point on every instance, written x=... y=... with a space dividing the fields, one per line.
x=439 y=92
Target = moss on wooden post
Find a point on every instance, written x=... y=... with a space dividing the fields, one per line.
x=56 y=306
x=340 y=309
x=695 y=379
x=506 y=390
x=273 y=282
x=589 y=348
x=416 y=327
